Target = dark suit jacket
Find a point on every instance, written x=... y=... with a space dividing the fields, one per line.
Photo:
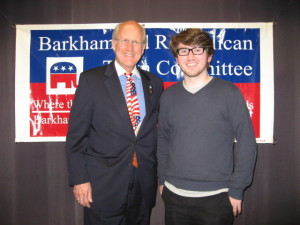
x=101 y=142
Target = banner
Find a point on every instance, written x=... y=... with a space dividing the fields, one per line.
x=50 y=58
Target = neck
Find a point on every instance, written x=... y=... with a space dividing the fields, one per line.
x=197 y=81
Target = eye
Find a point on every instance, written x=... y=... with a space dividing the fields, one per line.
x=126 y=42
x=198 y=50
x=183 y=51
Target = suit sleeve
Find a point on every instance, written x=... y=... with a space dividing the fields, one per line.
x=78 y=133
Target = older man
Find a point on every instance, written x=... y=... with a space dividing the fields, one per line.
x=111 y=140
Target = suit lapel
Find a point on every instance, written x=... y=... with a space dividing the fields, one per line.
x=114 y=89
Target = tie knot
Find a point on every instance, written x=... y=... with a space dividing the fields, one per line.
x=128 y=75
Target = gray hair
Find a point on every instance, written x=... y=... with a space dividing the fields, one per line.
x=117 y=28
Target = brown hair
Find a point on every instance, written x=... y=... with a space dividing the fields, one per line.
x=192 y=36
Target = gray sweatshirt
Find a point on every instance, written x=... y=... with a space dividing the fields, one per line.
x=196 y=134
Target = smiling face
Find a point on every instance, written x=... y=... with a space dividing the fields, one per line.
x=193 y=65
x=128 y=45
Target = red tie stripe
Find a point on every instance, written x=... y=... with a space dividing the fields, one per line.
x=132 y=102
x=133 y=108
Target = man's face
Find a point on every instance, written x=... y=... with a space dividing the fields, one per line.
x=128 y=47
x=193 y=65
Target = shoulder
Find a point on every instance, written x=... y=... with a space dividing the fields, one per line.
x=229 y=92
x=150 y=76
x=94 y=71
x=224 y=85
x=222 y=82
x=172 y=90
x=175 y=87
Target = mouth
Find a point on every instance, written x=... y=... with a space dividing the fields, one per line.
x=129 y=54
x=191 y=64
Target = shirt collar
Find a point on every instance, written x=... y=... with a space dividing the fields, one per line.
x=121 y=71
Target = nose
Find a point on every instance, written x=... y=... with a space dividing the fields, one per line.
x=129 y=46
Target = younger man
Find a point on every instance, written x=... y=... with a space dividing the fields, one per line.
x=199 y=120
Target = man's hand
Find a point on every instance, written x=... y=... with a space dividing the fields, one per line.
x=161 y=187
x=83 y=194
x=236 y=205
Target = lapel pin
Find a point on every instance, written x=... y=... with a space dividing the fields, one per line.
x=150 y=89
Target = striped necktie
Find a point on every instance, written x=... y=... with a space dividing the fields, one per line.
x=133 y=108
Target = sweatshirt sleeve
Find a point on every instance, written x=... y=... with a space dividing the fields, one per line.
x=245 y=146
x=163 y=138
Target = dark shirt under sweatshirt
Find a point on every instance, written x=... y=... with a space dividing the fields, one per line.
x=196 y=135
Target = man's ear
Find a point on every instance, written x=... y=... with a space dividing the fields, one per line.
x=210 y=58
x=113 y=44
x=144 y=47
